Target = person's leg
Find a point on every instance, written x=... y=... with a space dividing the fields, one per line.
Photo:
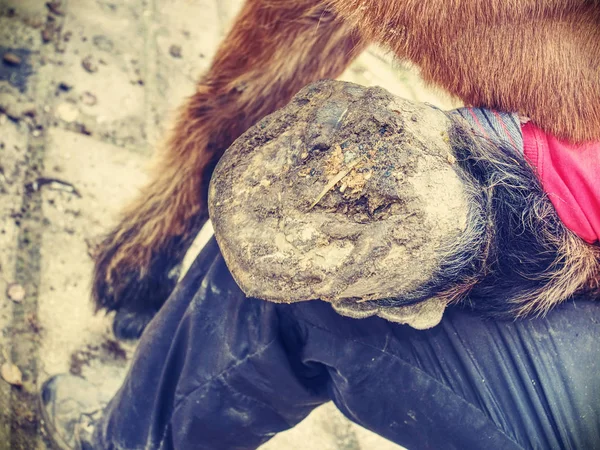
x=469 y=383
x=213 y=370
x=217 y=370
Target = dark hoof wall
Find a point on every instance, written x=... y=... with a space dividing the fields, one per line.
x=129 y=325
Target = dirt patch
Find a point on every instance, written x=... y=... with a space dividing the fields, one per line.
x=108 y=350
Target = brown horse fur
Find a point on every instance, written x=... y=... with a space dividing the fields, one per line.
x=540 y=58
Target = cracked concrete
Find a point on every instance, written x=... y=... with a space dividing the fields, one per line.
x=80 y=113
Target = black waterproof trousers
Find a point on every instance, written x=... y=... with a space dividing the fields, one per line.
x=216 y=370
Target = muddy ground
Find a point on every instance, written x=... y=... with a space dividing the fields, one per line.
x=86 y=90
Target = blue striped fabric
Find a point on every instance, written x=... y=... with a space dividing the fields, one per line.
x=494 y=125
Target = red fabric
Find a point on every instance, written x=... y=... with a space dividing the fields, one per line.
x=570 y=175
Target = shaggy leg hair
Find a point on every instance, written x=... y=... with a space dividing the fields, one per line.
x=516 y=258
x=274 y=49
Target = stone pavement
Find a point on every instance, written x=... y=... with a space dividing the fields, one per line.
x=86 y=90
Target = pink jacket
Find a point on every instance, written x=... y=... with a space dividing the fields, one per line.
x=570 y=175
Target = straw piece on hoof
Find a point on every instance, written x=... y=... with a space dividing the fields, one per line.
x=346 y=194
